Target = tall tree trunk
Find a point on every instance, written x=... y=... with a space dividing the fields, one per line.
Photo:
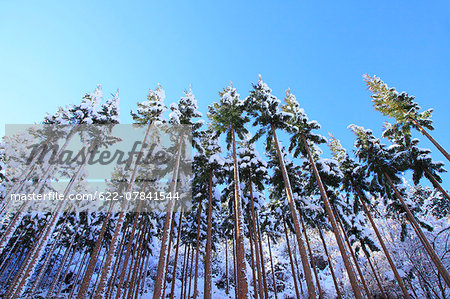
x=226 y=266
x=263 y=268
x=160 y=275
x=169 y=248
x=255 y=234
x=236 y=285
x=175 y=263
x=332 y=219
x=207 y=288
x=127 y=254
x=75 y=282
x=290 y=258
x=330 y=264
x=138 y=259
x=255 y=288
x=240 y=257
x=299 y=276
x=301 y=244
x=373 y=270
x=352 y=253
x=436 y=184
x=420 y=234
x=116 y=266
x=436 y=144
x=308 y=246
x=383 y=245
x=190 y=274
x=273 y=269
x=186 y=266
x=197 y=248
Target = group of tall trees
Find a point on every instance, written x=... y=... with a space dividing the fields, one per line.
x=264 y=221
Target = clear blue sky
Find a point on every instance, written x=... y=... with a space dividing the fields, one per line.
x=52 y=52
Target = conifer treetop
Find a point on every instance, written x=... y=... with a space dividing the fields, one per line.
x=229 y=112
x=152 y=109
x=401 y=106
x=299 y=126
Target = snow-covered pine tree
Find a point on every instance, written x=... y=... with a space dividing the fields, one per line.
x=383 y=166
x=265 y=108
x=227 y=117
x=183 y=113
x=403 y=108
x=301 y=141
x=356 y=184
x=415 y=158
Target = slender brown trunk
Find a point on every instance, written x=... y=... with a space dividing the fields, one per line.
x=299 y=277
x=290 y=259
x=137 y=260
x=421 y=236
x=144 y=260
x=94 y=256
x=185 y=271
x=75 y=282
x=207 y=288
x=127 y=254
x=263 y=267
x=66 y=271
x=308 y=246
x=301 y=244
x=255 y=234
x=174 y=272
x=330 y=264
x=226 y=266
x=160 y=275
x=240 y=257
x=169 y=248
x=352 y=252
x=116 y=266
x=255 y=289
x=273 y=269
x=383 y=245
x=190 y=274
x=436 y=144
x=332 y=219
x=436 y=184
x=197 y=249
x=373 y=270
x=236 y=285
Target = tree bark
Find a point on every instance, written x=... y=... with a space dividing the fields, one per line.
x=174 y=272
x=255 y=288
x=355 y=260
x=330 y=264
x=273 y=269
x=436 y=184
x=162 y=252
x=301 y=245
x=308 y=246
x=258 y=259
x=290 y=259
x=332 y=219
x=263 y=267
x=197 y=249
x=436 y=144
x=239 y=229
x=207 y=288
x=383 y=245
x=421 y=235
x=373 y=270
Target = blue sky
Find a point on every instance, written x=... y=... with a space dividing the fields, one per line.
x=52 y=52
